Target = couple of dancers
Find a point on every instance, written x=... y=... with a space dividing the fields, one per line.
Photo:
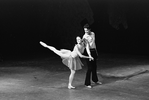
x=72 y=60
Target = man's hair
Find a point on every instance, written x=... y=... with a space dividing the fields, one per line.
x=86 y=26
x=84 y=41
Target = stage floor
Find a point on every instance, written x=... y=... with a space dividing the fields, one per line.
x=46 y=78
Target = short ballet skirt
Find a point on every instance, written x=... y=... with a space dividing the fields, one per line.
x=73 y=63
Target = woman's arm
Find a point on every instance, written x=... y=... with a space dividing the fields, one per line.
x=87 y=46
x=87 y=57
x=82 y=56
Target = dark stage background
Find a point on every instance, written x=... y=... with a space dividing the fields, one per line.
x=121 y=26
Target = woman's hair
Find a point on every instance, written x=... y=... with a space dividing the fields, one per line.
x=84 y=41
x=78 y=37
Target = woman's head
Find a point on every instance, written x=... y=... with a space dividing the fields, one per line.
x=81 y=41
x=78 y=39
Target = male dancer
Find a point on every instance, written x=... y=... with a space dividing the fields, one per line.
x=91 y=64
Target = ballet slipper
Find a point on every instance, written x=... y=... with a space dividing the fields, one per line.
x=71 y=87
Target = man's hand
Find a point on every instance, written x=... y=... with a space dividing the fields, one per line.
x=91 y=58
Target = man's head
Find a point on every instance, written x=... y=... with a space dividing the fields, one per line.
x=86 y=29
x=86 y=26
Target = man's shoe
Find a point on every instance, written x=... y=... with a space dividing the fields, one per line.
x=98 y=83
x=89 y=86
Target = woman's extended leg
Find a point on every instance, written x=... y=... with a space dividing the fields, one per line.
x=59 y=52
x=62 y=53
x=71 y=77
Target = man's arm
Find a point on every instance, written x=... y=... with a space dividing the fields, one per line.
x=87 y=45
x=93 y=34
x=88 y=51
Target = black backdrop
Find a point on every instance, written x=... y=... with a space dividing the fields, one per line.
x=121 y=26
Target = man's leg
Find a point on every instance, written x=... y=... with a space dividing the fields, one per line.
x=94 y=66
x=88 y=74
x=94 y=71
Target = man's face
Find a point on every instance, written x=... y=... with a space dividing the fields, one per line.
x=86 y=30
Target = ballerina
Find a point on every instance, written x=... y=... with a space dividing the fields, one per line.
x=71 y=58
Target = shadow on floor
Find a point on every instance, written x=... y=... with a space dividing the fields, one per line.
x=109 y=78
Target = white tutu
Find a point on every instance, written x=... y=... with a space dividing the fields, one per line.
x=72 y=63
